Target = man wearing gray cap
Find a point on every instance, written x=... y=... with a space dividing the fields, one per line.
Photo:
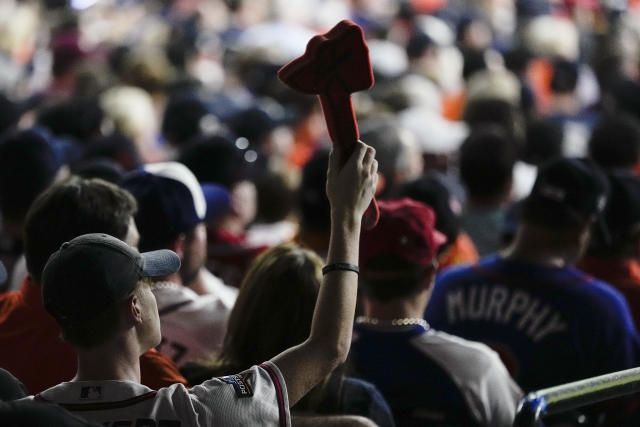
x=98 y=290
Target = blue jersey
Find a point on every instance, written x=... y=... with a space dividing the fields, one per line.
x=432 y=378
x=549 y=325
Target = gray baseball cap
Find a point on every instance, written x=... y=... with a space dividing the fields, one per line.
x=92 y=272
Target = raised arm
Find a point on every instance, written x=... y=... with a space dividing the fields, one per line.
x=350 y=189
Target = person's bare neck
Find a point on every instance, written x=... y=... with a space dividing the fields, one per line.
x=537 y=245
x=198 y=284
x=397 y=309
x=118 y=359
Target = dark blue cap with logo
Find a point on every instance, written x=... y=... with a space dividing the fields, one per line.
x=571 y=188
x=575 y=185
x=171 y=201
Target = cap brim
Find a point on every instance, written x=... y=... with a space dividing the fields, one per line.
x=159 y=263
x=218 y=200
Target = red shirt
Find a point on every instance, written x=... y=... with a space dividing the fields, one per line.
x=622 y=274
x=31 y=347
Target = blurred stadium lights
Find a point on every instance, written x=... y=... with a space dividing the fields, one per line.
x=82 y=4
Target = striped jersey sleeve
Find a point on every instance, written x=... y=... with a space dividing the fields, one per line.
x=257 y=396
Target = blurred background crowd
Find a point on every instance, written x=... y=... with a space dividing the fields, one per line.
x=470 y=98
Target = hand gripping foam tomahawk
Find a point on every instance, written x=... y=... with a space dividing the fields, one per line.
x=334 y=65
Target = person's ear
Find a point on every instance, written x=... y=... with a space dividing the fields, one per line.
x=134 y=309
x=178 y=245
x=586 y=229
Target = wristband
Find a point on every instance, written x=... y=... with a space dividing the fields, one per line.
x=340 y=266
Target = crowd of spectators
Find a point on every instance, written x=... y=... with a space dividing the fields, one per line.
x=507 y=146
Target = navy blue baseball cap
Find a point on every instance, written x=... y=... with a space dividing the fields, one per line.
x=91 y=272
x=172 y=201
x=575 y=185
x=571 y=188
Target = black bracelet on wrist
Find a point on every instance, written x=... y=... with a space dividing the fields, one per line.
x=340 y=266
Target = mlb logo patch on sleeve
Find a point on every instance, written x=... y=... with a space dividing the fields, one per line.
x=240 y=384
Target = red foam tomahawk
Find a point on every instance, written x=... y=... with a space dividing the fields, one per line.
x=335 y=65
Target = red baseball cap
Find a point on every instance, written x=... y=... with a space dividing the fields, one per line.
x=406 y=230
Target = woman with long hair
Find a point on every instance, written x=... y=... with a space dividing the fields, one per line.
x=274 y=311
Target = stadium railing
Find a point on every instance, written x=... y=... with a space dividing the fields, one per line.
x=553 y=400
